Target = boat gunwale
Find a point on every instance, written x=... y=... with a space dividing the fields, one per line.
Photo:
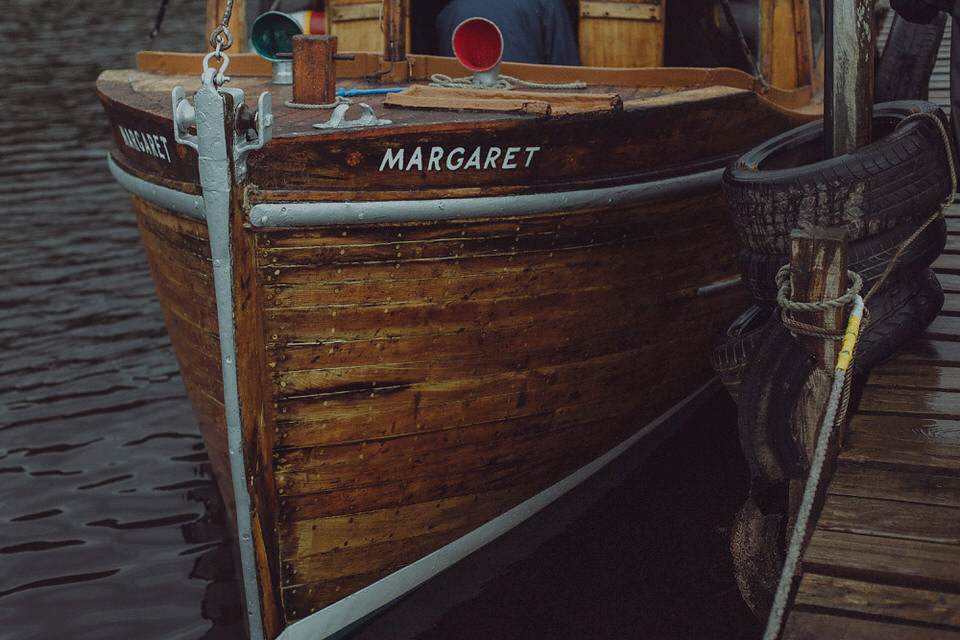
x=420 y=68
x=335 y=212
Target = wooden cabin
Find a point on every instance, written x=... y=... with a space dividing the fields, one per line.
x=614 y=33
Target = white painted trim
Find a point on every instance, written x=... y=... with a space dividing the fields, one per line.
x=360 y=604
x=301 y=214
x=166 y=197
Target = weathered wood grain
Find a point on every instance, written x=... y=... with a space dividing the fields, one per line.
x=470 y=363
x=931 y=403
x=402 y=383
x=891 y=517
x=934 y=352
x=804 y=625
x=866 y=481
x=621 y=34
x=914 y=376
x=919 y=564
x=842 y=596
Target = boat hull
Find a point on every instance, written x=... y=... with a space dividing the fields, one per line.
x=436 y=327
x=426 y=377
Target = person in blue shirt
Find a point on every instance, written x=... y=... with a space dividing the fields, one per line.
x=536 y=31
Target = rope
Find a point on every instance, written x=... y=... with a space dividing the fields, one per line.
x=838 y=402
x=503 y=82
x=330 y=105
x=802 y=328
x=951 y=162
x=834 y=416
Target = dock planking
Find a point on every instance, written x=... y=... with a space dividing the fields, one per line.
x=884 y=558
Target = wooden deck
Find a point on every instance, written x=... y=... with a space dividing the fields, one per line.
x=884 y=559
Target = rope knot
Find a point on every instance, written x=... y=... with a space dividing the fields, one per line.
x=796 y=327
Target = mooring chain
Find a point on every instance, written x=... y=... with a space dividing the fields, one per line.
x=221 y=39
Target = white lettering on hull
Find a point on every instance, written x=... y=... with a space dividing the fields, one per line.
x=442 y=159
x=148 y=143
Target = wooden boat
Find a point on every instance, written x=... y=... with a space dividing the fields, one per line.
x=403 y=335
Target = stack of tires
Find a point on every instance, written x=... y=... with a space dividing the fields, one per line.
x=883 y=194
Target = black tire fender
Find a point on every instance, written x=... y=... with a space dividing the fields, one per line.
x=904 y=68
x=785 y=182
x=778 y=368
x=729 y=358
x=867 y=257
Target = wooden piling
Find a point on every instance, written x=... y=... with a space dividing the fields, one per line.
x=848 y=77
x=818 y=272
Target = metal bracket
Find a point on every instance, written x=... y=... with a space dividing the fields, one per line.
x=185 y=117
x=242 y=145
x=338 y=121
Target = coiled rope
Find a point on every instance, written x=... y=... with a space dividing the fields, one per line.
x=503 y=83
x=839 y=392
x=789 y=306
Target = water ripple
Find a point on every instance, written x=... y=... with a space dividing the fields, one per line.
x=60 y=580
x=98 y=444
x=40 y=545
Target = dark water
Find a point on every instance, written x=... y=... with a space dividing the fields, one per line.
x=104 y=487
x=110 y=525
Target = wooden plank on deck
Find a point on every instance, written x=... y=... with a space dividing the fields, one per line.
x=884 y=558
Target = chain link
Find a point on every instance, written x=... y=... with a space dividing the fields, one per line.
x=221 y=39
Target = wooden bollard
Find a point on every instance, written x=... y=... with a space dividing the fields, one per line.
x=818 y=261
x=818 y=272
x=314 y=74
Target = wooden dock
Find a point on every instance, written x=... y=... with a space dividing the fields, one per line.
x=884 y=558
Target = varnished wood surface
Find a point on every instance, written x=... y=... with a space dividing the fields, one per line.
x=884 y=559
x=659 y=133
x=405 y=383
x=621 y=33
x=428 y=377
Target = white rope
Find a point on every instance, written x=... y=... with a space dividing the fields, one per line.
x=330 y=105
x=503 y=82
x=830 y=420
x=812 y=486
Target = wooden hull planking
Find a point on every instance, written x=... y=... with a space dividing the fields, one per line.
x=404 y=381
